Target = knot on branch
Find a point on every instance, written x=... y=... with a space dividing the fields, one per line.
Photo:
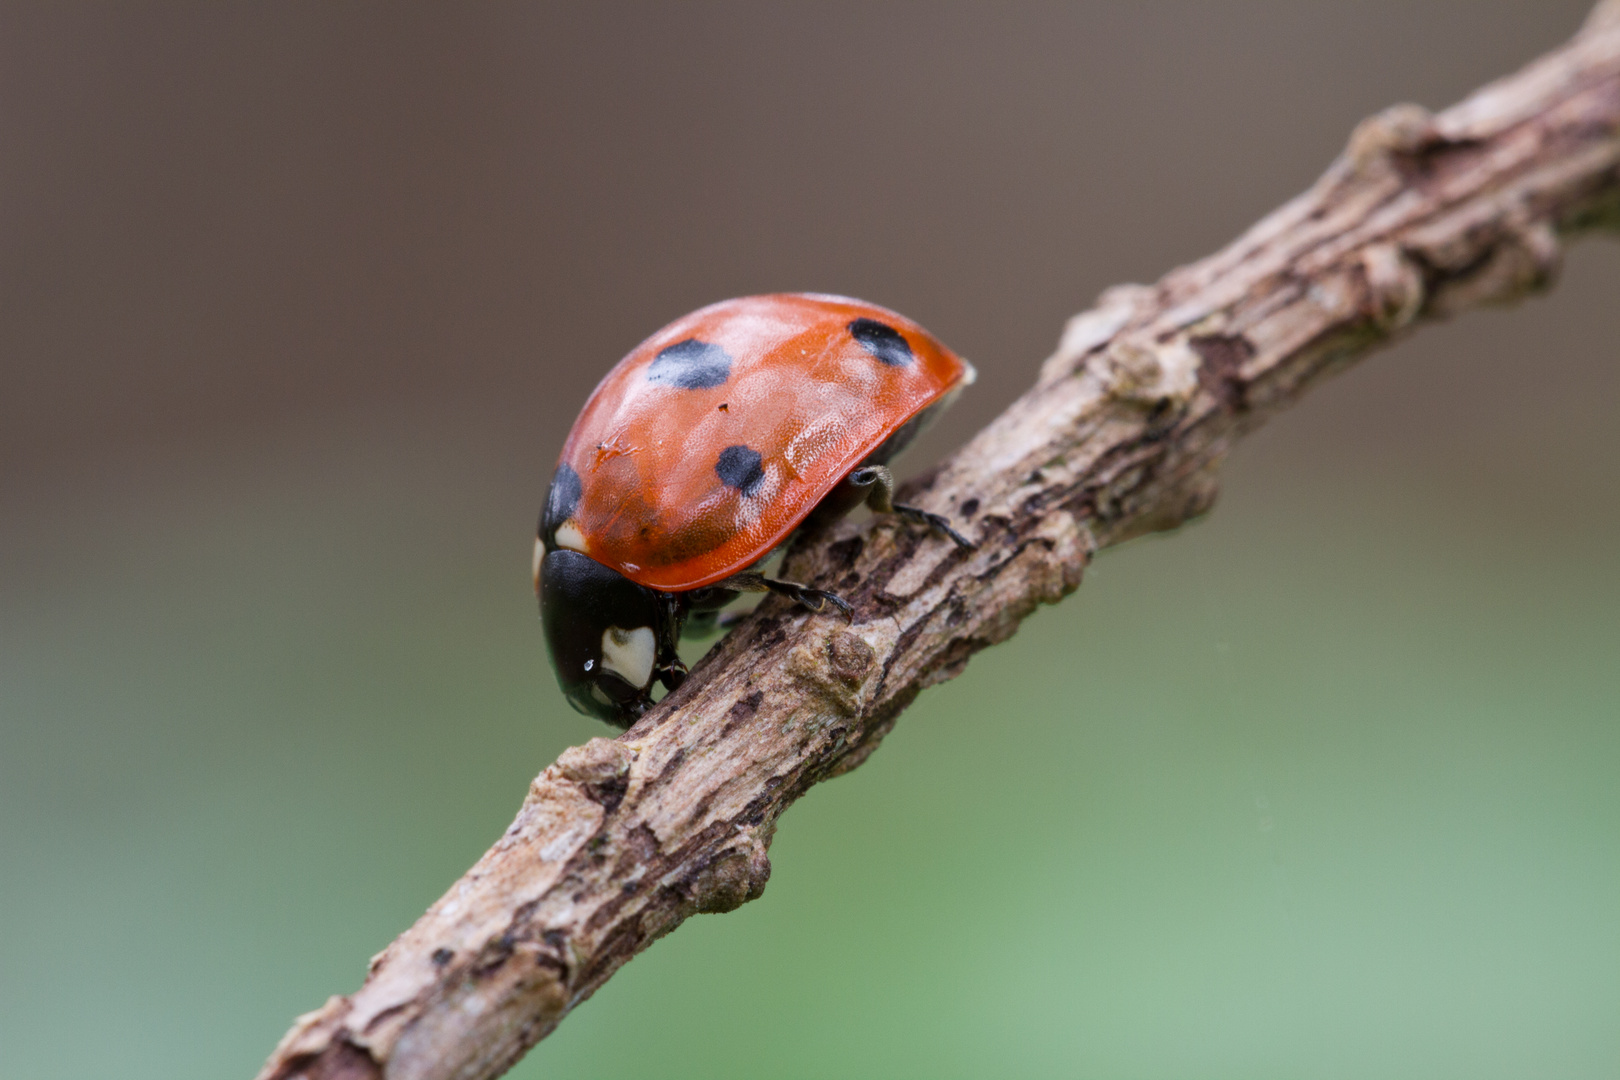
x=735 y=876
x=1150 y=374
x=1399 y=131
x=835 y=667
x=600 y=761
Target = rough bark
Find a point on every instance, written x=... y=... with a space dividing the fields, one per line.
x=1423 y=216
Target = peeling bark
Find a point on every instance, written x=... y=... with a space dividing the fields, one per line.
x=618 y=841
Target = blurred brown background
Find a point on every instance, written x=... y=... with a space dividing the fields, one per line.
x=297 y=302
x=220 y=221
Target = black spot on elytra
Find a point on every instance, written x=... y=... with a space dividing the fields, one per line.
x=690 y=365
x=561 y=501
x=741 y=468
x=882 y=341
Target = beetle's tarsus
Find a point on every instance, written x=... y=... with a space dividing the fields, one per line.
x=822 y=599
x=814 y=600
x=672 y=675
x=938 y=522
x=881 y=500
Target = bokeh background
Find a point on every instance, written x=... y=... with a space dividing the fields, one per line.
x=297 y=302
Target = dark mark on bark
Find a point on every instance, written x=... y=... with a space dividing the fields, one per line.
x=554 y=952
x=843 y=553
x=442 y=956
x=954 y=558
x=741 y=711
x=609 y=793
x=1221 y=370
x=1424 y=164
x=641 y=845
x=493 y=955
x=701 y=810
x=882 y=603
x=772 y=632
x=969 y=508
x=620 y=945
x=998 y=522
x=906 y=542
x=747 y=706
x=341 y=1061
x=383 y=1016
x=902 y=644
x=956 y=655
x=669 y=769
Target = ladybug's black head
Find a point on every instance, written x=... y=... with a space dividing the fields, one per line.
x=608 y=636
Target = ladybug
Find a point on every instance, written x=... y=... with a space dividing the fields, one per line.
x=699 y=454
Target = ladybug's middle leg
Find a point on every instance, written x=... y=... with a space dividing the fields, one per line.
x=880 y=484
x=814 y=599
x=671 y=614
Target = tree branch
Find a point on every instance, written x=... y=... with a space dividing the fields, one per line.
x=620 y=840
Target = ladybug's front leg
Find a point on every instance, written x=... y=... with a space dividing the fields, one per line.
x=880 y=498
x=814 y=599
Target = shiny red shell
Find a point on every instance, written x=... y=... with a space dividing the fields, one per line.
x=708 y=444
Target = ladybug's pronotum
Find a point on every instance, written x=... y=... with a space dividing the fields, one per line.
x=699 y=454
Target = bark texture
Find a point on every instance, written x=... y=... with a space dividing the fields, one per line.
x=619 y=840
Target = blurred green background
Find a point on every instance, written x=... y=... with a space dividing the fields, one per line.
x=298 y=305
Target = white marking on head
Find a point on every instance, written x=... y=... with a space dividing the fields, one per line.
x=629 y=654
x=539 y=553
x=569 y=536
x=601 y=695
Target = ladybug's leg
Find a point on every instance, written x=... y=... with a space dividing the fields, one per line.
x=672 y=613
x=814 y=599
x=880 y=498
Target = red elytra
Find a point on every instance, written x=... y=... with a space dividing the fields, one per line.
x=714 y=438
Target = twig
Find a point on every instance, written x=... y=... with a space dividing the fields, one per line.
x=620 y=840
